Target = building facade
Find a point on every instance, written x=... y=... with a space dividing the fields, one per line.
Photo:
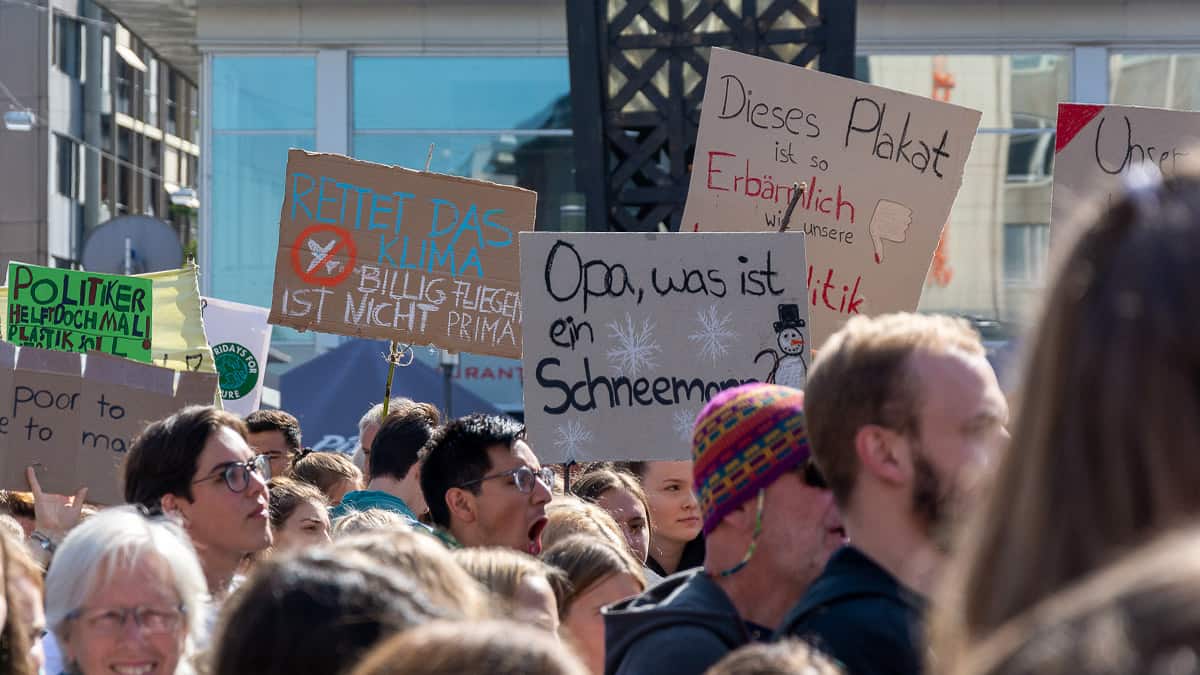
x=116 y=130
x=486 y=83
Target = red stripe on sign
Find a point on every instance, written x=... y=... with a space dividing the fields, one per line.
x=1072 y=118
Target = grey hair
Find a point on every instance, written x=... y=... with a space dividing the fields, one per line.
x=117 y=539
x=374 y=415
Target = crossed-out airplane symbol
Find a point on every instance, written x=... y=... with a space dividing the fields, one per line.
x=322 y=254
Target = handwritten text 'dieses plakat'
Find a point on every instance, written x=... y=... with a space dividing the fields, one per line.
x=882 y=169
x=628 y=335
x=380 y=251
x=1098 y=144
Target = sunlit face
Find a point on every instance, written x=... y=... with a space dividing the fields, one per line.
x=535 y=603
x=29 y=597
x=674 y=512
x=274 y=445
x=308 y=526
x=962 y=415
x=217 y=518
x=584 y=623
x=365 y=440
x=506 y=516
x=96 y=644
x=791 y=341
x=801 y=528
x=630 y=514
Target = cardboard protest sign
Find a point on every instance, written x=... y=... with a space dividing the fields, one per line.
x=177 y=338
x=1098 y=144
x=44 y=427
x=882 y=170
x=380 y=251
x=70 y=311
x=629 y=335
x=240 y=337
x=8 y=361
x=119 y=398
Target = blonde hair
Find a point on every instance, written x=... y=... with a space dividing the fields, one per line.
x=325 y=470
x=478 y=648
x=862 y=377
x=787 y=657
x=1103 y=445
x=567 y=515
x=424 y=559
x=1139 y=615
x=588 y=561
x=502 y=570
x=368 y=520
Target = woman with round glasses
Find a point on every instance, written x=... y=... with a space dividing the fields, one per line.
x=125 y=594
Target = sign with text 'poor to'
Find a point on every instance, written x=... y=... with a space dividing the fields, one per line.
x=381 y=251
x=882 y=169
x=1098 y=144
x=70 y=311
x=630 y=333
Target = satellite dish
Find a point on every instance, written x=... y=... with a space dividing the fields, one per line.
x=150 y=244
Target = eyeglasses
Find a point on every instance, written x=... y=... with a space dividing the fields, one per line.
x=523 y=477
x=237 y=474
x=111 y=621
x=811 y=475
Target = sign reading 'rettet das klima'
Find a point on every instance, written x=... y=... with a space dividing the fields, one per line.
x=381 y=251
x=71 y=311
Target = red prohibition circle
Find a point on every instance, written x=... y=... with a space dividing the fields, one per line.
x=315 y=277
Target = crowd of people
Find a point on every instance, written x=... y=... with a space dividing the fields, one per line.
x=889 y=519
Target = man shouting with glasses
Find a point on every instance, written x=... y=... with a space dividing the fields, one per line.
x=197 y=466
x=484 y=485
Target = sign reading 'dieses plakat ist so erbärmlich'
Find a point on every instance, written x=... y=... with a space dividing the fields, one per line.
x=381 y=251
x=882 y=169
x=1098 y=144
x=628 y=332
x=72 y=311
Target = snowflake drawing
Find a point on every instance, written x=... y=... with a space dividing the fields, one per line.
x=715 y=334
x=635 y=348
x=572 y=437
x=684 y=420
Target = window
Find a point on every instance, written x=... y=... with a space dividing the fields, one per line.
x=261 y=106
x=1025 y=248
x=152 y=92
x=172 y=103
x=68 y=45
x=1006 y=180
x=68 y=163
x=479 y=129
x=1157 y=80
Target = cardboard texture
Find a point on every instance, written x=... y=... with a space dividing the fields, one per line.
x=44 y=430
x=882 y=169
x=1097 y=145
x=8 y=361
x=70 y=311
x=635 y=332
x=119 y=399
x=377 y=251
x=75 y=418
x=240 y=337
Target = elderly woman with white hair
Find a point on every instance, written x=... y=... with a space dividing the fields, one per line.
x=125 y=594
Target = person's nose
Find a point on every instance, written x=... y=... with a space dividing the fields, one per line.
x=690 y=503
x=540 y=493
x=257 y=487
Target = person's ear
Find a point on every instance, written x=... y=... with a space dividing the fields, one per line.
x=462 y=505
x=883 y=453
x=173 y=505
x=743 y=517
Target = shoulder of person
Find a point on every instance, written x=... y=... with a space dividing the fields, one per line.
x=867 y=634
x=679 y=648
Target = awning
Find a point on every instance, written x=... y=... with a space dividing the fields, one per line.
x=330 y=393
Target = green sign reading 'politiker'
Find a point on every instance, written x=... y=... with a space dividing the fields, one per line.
x=70 y=311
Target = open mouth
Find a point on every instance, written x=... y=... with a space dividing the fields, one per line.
x=839 y=532
x=140 y=669
x=535 y=536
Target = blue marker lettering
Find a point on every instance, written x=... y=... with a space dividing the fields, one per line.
x=437 y=209
x=296 y=196
x=400 y=197
x=487 y=221
x=377 y=208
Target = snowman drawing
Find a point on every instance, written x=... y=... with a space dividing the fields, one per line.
x=790 y=370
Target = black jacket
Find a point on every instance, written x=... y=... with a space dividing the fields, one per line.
x=692 y=556
x=862 y=616
x=682 y=626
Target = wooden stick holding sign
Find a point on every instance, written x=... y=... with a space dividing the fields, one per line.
x=397 y=350
x=798 y=190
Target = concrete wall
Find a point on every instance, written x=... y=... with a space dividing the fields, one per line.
x=24 y=176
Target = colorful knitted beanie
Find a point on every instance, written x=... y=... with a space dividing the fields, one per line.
x=744 y=439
